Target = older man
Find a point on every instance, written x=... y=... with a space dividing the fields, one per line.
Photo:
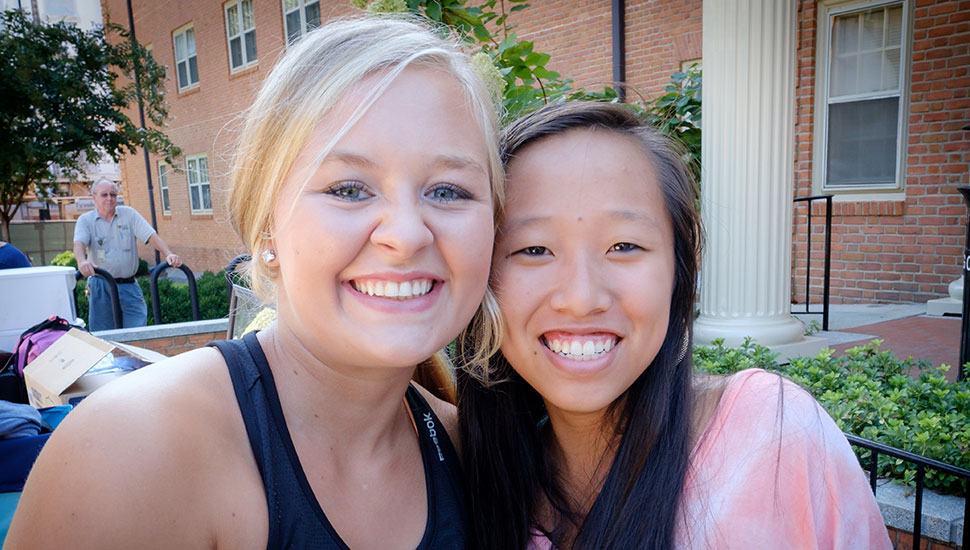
x=106 y=238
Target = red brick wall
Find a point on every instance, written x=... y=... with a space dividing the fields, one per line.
x=578 y=35
x=906 y=250
x=903 y=540
x=174 y=345
x=204 y=119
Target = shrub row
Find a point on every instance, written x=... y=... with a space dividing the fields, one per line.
x=174 y=301
x=869 y=392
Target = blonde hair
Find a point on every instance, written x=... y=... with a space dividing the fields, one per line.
x=305 y=85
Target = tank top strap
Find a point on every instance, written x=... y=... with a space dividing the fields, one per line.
x=446 y=495
x=434 y=440
x=245 y=374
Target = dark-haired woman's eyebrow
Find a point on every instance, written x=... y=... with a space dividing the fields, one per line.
x=634 y=216
x=514 y=224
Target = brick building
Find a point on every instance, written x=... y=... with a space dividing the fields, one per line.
x=881 y=98
x=216 y=53
x=898 y=229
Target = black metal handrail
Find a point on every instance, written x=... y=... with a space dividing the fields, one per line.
x=808 y=258
x=112 y=294
x=230 y=273
x=965 y=311
x=922 y=463
x=193 y=292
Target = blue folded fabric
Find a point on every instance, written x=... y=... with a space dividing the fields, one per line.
x=18 y=420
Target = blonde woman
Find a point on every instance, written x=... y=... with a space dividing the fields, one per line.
x=365 y=188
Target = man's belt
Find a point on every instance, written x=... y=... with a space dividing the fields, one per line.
x=124 y=280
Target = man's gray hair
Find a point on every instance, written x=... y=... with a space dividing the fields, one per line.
x=95 y=185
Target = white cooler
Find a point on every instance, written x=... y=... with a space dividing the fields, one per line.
x=28 y=295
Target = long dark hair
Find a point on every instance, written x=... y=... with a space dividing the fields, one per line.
x=508 y=470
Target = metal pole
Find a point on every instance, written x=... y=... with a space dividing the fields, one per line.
x=965 y=332
x=141 y=120
x=619 y=49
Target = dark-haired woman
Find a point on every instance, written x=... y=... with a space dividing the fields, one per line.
x=589 y=429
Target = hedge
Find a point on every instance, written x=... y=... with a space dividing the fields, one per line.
x=869 y=392
x=174 y=301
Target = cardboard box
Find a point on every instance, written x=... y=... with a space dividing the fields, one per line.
x=60 y=376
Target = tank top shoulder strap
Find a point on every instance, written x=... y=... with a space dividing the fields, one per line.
x=431 y=433
x=245 y=374
x=446 y=497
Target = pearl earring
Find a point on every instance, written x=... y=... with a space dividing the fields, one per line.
x=268 y=256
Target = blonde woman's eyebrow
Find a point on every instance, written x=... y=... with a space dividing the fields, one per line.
x=352 y=159
x=450 y=162
x=459 y=162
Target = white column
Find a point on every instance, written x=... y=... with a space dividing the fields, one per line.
x=746 y=190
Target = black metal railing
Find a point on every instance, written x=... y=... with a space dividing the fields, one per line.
x=922 y=463
x=153 y=284
x=965 y=311
x=112 y=294
x=808 y=258
x=231 y=278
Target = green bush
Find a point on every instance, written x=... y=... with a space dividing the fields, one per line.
x=176 y=305
x=870 y=393
x=66 y=259
x=677 y=113
x=174 y=301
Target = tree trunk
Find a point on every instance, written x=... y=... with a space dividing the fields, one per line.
x=6 y=227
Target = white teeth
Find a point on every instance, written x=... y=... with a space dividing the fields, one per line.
x=391 y=289
x=575 y=348
x=581 y=350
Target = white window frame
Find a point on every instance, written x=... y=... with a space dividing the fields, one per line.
x=827 y=12
x=183 y=31
x=163 y=192
x=301 y=8
x=241 y=35
x=192 y=169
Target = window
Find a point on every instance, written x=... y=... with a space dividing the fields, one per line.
x=163 y=187
x=186 y=65
x=300 y=16
x=241 y=32
x=863 y=110
x=197 y=171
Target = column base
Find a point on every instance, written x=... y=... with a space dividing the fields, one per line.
x=808 y=346
x=768 y=332
x=944 y=306
x=952 y=304
x=783 y=335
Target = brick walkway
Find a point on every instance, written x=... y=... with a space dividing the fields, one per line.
x=935 y=339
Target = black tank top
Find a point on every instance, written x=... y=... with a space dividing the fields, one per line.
x=296 y=519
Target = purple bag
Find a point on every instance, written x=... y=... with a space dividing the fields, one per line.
x=36 y=339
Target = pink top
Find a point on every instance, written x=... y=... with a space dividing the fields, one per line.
x=766 y=476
